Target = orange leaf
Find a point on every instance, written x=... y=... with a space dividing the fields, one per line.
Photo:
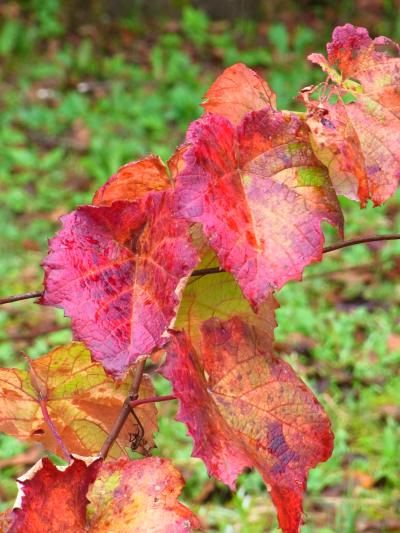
x=237 y=91
x=6 y=519
x=358 y=136
x=138 y=496
x=53 y=499
x=81 y=400
x=94 y=497
x=244 y=407
x=134 y=180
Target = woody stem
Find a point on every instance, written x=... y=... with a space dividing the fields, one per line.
x=125 y=410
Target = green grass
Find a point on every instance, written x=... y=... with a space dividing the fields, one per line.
x=71 y=113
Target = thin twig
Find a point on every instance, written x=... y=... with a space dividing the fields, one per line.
x=217 y=270
x=125 y=410
x=18 y=297
x=54 y=430
x=327 y=249
x=205 y=271
x=153 y=399
x=361 y=240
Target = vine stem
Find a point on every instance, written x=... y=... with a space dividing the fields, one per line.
x=153 y=399
x=18 y=297
x=125 y=410
x=326 y=250
x=217 y=270
x=360 y=240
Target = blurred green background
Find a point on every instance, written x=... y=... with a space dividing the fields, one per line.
x=84 y=89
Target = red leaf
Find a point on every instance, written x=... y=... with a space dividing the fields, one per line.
x=135 y=180
x=246 y=408
x=261 y=196
x=118 y=271
x=237 y=91
x=139 y=496
x=136 y=496
x=54 y=500
x=358 y=136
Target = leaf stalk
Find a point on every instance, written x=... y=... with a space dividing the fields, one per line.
x=153 y=399
x=125 y=410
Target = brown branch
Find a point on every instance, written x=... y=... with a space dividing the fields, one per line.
x=361 y=240
x=125 y=410
x=217 y=270
x=205 y=271
x=327 y=249
x=153 y=399
x=18 y=297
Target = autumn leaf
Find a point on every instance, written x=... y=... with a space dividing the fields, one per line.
x=138 y=496
x=123 y=495
x=83 y=403
x=244 y=407
x=355 y=123
x=237 y=91
x=53 y=499
x=260 y=194
x=218 y=295
x=6 y=520
x=118 y=271
x=135 y=180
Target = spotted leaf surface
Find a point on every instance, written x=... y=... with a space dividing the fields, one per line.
x=355 y=123
x=118 y=271
x=237 y=91
x=53 y=499
x=246 y=408
x=138 y=496
x=82 y=402
x=218 y=295
x=260 y=194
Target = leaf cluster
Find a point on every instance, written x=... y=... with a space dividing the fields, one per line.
x=185 y=257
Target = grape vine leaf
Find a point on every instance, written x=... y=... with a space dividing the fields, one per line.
x=355 y=123
x=82 y=402
x=118 y=271
x=6 y=520
x=218 y=295
x=95 y=497
x=138 y=496
x=53 y=499
x=135 y=180
x=237 y=91
x=246 y=408
x=260 y=194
